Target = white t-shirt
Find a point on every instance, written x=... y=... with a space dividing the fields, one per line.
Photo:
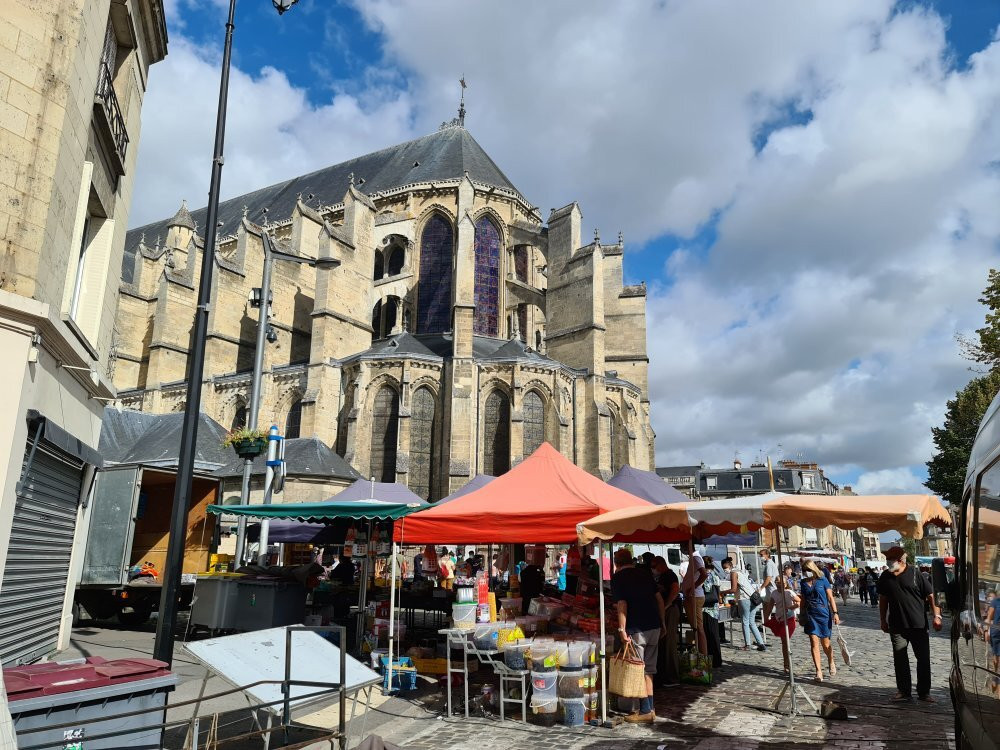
x=695 y=564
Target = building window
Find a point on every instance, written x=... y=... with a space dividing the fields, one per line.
x=293 y=422
x=385 y=428
x=496 y=434
x=487 y=278
x=534 y=423
x=434 y=285
x=422 y=437
x=521 y=263
x=240 y=417
x=379 y=271
x=377 y=321
x=522 y=322
x=808 y=482
x=81 y=268
x=712 y=483
x=747 y=481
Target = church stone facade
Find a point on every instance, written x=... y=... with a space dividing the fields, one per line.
x=455 y=333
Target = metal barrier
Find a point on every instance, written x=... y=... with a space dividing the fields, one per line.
x=340 y=734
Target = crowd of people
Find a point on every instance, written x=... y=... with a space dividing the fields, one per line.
x=651 y=599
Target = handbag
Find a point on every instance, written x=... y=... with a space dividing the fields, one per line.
x=755 y=600
x=627 y=675
x=711 y=595
x=696 y=669
x=845 y=652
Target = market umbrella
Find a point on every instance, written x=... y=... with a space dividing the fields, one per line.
x=648 y=485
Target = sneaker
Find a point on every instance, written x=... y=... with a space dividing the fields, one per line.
x=762 y=648
x=638 y=718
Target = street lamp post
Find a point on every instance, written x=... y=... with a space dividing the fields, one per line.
x=163 y=648
x=270 y=255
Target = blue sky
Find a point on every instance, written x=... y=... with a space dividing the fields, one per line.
x=797 y=182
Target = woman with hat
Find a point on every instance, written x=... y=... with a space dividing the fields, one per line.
x=819 y=613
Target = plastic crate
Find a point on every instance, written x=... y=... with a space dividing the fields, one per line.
x=404 y=674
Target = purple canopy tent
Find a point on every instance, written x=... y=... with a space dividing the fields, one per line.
x=477 y=482
x=648 y=485
x=296 y=531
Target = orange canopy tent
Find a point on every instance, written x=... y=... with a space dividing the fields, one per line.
x=540 y=501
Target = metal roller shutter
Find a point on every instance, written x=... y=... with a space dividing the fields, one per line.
x=38 y=556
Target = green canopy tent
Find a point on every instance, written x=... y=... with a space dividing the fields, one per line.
x=330 y=510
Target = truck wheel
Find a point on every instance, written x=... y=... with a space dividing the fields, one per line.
x=77 y=614
x=134 y=617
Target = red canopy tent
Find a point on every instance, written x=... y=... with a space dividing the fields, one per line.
x=540 y=501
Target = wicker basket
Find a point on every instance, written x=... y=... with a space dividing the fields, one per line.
x=627 y=675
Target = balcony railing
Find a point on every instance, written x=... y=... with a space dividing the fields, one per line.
x=115 y=123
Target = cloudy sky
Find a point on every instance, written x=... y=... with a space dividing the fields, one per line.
x=809 y=189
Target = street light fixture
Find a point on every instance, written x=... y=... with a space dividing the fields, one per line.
x=163 y=647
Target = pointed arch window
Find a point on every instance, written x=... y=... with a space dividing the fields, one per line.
x=239 y=417
x=293 y=422
x=385 y=428
x=534 y=422
x=521 y=263
x=487 y=277
x=422 y=436
x=617 y=441
x=496 y=434
x=434 y=285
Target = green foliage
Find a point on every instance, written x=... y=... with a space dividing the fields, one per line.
x=953 y=440
x=984 y=349
x=243 y=433
x=910 y=545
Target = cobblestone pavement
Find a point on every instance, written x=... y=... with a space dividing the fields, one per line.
x=734 y=713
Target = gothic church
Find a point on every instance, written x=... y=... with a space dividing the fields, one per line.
x=456 y=332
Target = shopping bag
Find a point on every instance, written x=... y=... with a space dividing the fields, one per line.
x=845 y=652
x=627 y=676
x=696 y=669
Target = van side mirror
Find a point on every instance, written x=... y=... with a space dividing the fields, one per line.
x=939 y=577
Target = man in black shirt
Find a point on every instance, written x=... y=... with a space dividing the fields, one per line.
x=641 y=620
x=902 y=592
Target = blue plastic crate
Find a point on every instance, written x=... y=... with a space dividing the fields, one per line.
x=404 y=679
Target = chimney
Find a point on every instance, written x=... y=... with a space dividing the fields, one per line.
x=737 y=464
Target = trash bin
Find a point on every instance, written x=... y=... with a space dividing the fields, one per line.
x=88 y=694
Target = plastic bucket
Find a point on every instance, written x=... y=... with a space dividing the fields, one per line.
x=543 y=711
x=465 y=595
x=484 y=637
x=561 y=651
x=574 y=711
x=514 y=654
x=589 y=678
x=578 y=654
x=544 y=657
x=544 y=685
x=464 y=616
x=571 y=683
x=511 y=603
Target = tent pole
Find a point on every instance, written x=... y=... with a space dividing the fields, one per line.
x=392 y=614
x=363 y=589
x=786 y=643
x=600 y=598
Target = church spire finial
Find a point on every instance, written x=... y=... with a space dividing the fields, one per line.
x=461 y=103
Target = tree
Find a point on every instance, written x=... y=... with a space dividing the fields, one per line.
x=953 y=440
x=985 y=348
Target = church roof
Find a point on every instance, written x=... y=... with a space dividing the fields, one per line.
x=308 y=457
x=182 y=218
x=439 y=346
x=446 y=154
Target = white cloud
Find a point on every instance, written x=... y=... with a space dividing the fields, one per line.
x=890 y=482
x=850 y=250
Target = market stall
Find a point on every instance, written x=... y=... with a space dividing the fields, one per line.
x=648 y=485
x=539 y=501
x=907 y=514
x=376 y=505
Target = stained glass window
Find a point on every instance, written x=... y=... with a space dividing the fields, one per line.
x=521 y=263
x=385 y=428
x=534 y=423
x=293 y=422
x=496 y=434
x=522 y=321
x=434 y=286
x=422 y=443
x=487 y=277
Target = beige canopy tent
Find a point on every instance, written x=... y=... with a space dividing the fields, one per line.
x=907 y=514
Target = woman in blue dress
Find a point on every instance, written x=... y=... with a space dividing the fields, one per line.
x=819 y=614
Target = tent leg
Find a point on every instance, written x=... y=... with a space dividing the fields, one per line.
x=791 y=688
x=392 y=614
x=603 y=656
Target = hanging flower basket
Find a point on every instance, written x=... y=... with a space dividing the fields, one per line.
x=247 y=443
